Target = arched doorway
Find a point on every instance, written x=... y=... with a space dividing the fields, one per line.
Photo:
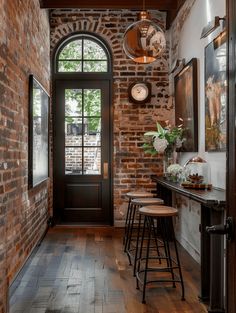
x=82 y=119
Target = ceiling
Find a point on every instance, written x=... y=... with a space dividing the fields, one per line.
x=170 y=6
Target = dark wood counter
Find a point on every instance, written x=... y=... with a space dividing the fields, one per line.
x=214 y=197
x=212 y=246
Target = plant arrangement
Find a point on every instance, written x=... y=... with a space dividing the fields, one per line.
x=164 y=139
x=174 y=172
x=174 y=169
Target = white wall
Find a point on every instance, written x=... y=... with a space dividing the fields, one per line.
x=186 y=43
x=190 y=45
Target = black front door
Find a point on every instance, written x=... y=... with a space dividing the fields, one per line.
x=82 y=162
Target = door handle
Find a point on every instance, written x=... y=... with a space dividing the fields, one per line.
x=105 y=170
x=227 y=229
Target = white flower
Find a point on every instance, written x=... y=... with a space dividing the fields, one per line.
x=160 y=144
x=174 y=169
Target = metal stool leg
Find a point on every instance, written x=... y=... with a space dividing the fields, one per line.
x=149 y=227
x=137 y=245
x=140 y=253
x=128 y=226
x=126 y=222
x=130 y=233
x=179 y=267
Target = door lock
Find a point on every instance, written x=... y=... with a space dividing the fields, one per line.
x=227 y=229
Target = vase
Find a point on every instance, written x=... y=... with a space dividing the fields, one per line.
x=167 y=161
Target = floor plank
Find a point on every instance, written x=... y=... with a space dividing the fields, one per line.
x=84 y=270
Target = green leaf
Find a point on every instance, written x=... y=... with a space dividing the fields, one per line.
x=151 y=133
x=160 y=128
x=146 y=145
x=150 y=151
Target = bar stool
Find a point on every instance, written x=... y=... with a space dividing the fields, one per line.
x=131 y=195
x=135 y=205
x=163 y=216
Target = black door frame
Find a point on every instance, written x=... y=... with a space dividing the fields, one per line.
x=83 y=76
x=231 y=156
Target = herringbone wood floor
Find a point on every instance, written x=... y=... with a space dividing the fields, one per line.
x=84 y=270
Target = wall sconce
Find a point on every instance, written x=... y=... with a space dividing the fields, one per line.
x=178 y=63
x=144 y=40
x=211 y=26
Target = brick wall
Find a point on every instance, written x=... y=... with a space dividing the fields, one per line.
x=24 y=49
x=132 y=169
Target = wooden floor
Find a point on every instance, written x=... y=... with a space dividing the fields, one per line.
x=84 y=270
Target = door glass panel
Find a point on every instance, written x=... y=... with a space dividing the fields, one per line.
x=73 y=161
x=93 y=126
x=92 y=161
x=73 y=102
x=73 y=131
x=92 y=102
x=83 y=131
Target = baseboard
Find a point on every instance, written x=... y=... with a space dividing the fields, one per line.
x=119 y=224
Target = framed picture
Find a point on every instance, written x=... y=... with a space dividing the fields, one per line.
x=38 y=133
x=186 y=105
x=216 y=94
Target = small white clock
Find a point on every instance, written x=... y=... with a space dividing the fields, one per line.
x=139 y=92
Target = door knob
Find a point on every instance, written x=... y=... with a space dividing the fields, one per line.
x=227 y=229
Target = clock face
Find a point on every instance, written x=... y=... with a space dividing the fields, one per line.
x=140 y=92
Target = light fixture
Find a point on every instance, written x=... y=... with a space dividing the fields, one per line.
x=144 y=40
x=211 y=26
x=179 y=63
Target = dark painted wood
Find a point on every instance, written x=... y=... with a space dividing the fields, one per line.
x=217 y=273
x=170 y=6
x=81 y=198
x=207 y=197
x=121 y=4
x=81 y=212
x=83 y=270
x=204 y=295
x=231 y=154
x=212 y=251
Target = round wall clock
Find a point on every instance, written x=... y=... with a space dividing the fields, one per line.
x=139 y=92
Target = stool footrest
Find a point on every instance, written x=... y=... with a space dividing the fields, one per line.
x=159 y=281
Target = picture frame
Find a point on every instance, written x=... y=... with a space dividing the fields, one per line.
x=216 y=94
x=38 y=152
x=186 y=105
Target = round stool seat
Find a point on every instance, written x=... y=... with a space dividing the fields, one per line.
x=147 y=201
x=139 y=194
x=158 y=211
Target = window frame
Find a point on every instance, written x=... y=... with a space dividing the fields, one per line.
x=82 y=36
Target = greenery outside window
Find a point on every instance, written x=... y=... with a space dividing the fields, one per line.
x=82 y=54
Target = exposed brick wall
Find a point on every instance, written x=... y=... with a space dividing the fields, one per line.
x=175 y=30
x=24 y=49
x=132 y=169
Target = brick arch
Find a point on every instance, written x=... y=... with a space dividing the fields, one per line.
x=88 y=25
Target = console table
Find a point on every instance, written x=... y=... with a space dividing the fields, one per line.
x=212 y=246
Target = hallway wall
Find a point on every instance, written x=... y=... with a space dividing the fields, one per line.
x=185 y=34
x=132 y=168
x=24 y=50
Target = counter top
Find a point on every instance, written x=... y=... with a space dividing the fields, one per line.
x=214 y=197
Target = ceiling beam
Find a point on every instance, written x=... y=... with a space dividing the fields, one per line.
x=164 y=5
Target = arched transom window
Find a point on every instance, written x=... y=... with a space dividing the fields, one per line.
x=82 y=54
